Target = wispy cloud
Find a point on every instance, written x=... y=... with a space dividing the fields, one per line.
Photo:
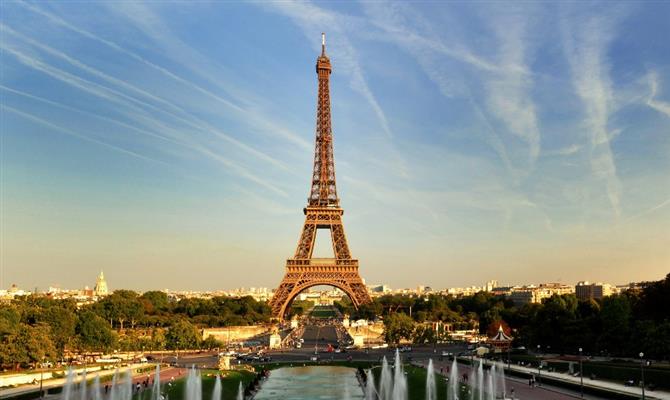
x=312 y=19
x=507 y=80
x=263 y=123
x=658 y=105
x=78 y=135
x=509 y=96
x=565 y=151
x=192 y=146
x=648 y=211
x=585 y=42
x=117 y=96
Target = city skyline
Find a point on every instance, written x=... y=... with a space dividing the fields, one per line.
x=176 y=151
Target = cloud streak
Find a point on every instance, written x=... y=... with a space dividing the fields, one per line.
x=263 y=123
x=507 y=81
x=652 y=102
x=585 y=41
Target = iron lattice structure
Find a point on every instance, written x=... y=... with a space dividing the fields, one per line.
x=322 y=212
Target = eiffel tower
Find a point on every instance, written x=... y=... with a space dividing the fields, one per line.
x=322 y=212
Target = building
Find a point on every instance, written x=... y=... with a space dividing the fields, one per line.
x=490 y=285
x=535 y=294
x=501 y=341
x=100 y=288
x=585 y=290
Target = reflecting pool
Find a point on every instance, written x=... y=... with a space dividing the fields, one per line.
x=308 y=383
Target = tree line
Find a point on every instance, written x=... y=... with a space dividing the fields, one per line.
x=37 y=328
x=620 y=325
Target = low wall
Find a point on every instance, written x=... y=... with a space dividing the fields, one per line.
x=231 y=334
x=371 y=334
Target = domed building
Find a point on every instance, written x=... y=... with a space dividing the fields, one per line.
x=100 y=288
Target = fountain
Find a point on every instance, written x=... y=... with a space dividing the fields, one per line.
x=193 y=390
x=69 y=382
x=216 y=393
x=452 y=393
x=431 y=389
x=156 y=390
x=480 y=380
x=399 y=379
x=385 y=381
x=483 y=384
x=370 y=391
x=82 y=386
x=240 y=391
x=126 y=391
x=97 y=395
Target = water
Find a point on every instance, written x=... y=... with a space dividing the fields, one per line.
x=431 y=389
x=453 y=387
x=309 y=383
x=216 y=393
x=193 y=389
x=385 y=381
x=399 y=379
x=156 y=390
x=370 y=390
x=322 y=382
x=480 y=380
x=69 y=382
x=97 y=395
x=82 y=387
x=114 y=390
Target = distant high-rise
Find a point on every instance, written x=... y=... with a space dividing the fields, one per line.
x=586 y=290
x=100 y=288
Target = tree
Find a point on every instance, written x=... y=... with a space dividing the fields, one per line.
x=211 y=343
x=398 y=326
x=121 y=306
x=29 y=345
x=615 y=316
x=62 y=323
x=424 y=334
x=494 y=326
x=155 y=302
x=94 y=334
x=182 y=335
x=158 y=340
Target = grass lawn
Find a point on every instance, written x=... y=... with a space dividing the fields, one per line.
x=229 y=385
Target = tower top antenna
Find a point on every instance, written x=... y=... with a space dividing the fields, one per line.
x=323 y=43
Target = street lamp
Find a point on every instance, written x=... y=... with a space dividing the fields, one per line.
x=581 y=374
x=539 y=367
x=642 y=372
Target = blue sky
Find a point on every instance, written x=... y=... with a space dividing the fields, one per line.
x=171 y=144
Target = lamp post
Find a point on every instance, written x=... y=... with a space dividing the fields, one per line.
x=581 y=374
x=539 y=367
x=42 y=377
x=642 y=372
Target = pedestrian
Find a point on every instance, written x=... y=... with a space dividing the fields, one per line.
x=512 y=393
